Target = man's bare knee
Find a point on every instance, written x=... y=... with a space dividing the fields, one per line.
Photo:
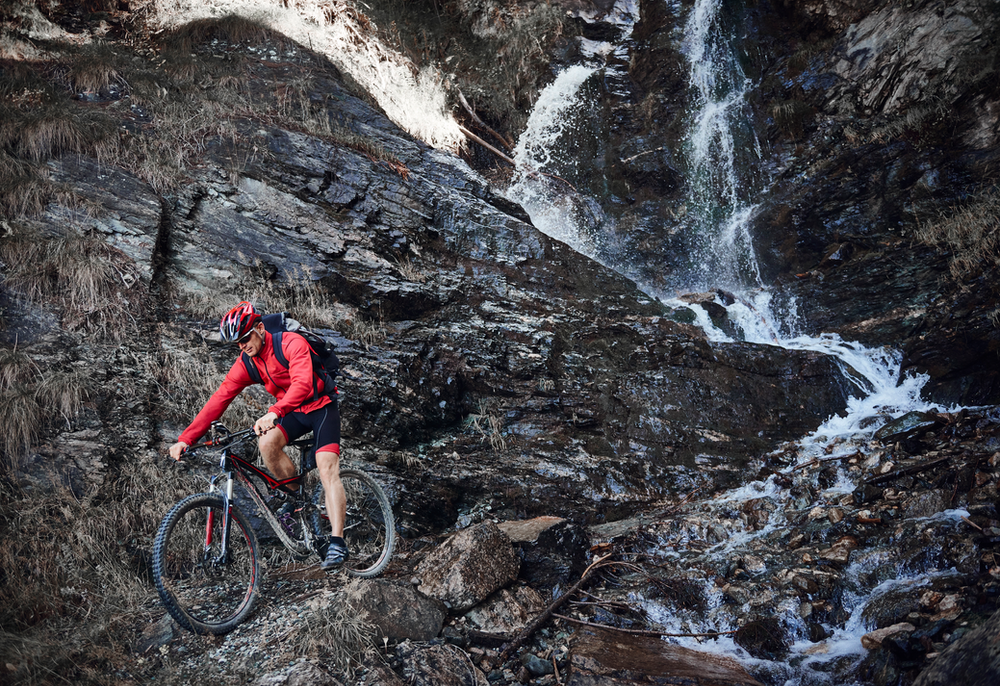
x=271 y=444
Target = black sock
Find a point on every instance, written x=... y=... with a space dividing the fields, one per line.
x=338 y=540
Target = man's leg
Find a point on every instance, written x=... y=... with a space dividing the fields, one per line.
x=328 y=464
x=272 y=449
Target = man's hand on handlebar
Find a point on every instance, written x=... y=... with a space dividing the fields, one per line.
x=177 y=449
x=264 y=424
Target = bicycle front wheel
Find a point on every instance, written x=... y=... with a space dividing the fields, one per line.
x=207 y=588
x=370 y=530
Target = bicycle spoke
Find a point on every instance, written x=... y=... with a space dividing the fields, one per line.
x=208 y=589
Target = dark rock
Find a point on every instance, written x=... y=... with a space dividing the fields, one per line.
x=399 y=612
x=867 y=493
x=910 y=425
x=156 y=634
x=974 y=659
x=536 y=665
x=436 y=665
x=763 y=638
x=554 y=550
x=507 y=611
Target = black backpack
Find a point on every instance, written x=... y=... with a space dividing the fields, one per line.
x=325 y=363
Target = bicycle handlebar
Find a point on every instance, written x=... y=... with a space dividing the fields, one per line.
x=221 y=442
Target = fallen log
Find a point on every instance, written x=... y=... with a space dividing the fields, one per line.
x=645 y=632
x=529 y=630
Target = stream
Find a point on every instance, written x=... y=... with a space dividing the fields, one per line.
x=723 y=157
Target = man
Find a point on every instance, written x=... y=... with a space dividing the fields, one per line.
x=303 y=404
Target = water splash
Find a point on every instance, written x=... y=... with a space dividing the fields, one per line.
x=553 y=210
x=415 y=100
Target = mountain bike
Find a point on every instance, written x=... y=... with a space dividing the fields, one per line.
x=206 y=559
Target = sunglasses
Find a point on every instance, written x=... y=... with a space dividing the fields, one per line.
x=244 y=338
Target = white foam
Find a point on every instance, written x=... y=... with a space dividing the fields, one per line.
x=552 y=210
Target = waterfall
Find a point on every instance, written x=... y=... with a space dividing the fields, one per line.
x=416 y=101
x=721 y=154
x=719 y=176
x=551 y=208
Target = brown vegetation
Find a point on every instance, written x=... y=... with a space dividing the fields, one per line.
x=970 y=233
x=86 y=280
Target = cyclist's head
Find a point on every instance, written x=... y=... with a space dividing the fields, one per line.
x=238 y=322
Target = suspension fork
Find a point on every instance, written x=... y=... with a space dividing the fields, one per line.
x=226 y=491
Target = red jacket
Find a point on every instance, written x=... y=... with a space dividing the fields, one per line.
x=292 y=387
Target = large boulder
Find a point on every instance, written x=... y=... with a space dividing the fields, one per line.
x=399 y=612
x=972 y=660
x=467 y=568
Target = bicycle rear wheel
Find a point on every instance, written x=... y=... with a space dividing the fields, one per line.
x=208 y=590
x=370 y=530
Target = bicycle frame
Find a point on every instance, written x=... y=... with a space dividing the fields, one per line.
x=235 y=469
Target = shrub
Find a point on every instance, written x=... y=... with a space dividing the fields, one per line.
x=970 y=233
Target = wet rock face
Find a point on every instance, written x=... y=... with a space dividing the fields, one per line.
x=972 y=659
x=934 y=43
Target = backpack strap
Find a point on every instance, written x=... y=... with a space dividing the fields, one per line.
x=251 y=368
x=279 y=354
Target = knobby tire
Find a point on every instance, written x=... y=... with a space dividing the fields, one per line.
x=370 y=529
x=203 y=592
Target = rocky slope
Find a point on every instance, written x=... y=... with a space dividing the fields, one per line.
x=490 y=373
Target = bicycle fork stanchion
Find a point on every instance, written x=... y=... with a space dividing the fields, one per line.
x=227 y=498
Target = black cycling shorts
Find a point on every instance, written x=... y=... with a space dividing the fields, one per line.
x=324 y=423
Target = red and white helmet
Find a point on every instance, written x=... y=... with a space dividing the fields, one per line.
x=238 y=322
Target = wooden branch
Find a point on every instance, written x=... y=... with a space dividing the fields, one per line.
x=529 y=630
x=971 y=523
x=912 y=469
x=645 y=632
x=474 y=137
x=820 y=460
x=475 y=117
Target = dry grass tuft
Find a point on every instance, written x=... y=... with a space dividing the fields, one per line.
x=488 y=423
x=971 y=233
x=338 y=633
x=94 y=69
x=32 y=398
x=23 y=189
x=231 y=30
x=95 y=286
x=790 y=116
x=40 y=130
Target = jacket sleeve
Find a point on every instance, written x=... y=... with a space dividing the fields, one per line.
x=236 y=380
x=300 y=371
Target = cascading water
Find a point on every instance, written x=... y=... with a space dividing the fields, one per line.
x=721 y=180
x=721 y=155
